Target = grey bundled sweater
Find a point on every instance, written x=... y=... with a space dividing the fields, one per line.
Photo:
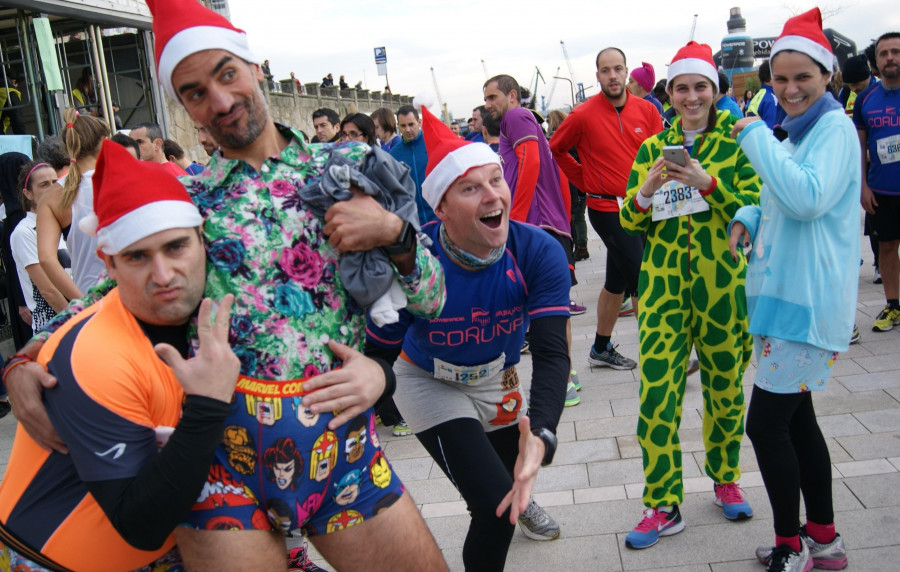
x=367 y=275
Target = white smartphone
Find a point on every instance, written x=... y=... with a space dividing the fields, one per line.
x=674 y=153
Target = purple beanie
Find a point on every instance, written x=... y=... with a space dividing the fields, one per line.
x=645 y=76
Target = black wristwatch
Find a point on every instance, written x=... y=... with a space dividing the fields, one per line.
x=549 y=439
x=405 y=241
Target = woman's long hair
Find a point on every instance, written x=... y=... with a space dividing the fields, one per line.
x=83 y=135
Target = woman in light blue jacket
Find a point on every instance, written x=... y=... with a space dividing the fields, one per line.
x=801 y=288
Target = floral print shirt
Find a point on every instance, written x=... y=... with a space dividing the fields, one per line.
x=264 y=246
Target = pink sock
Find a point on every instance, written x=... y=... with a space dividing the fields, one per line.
x=821 y=533
x=792 y=541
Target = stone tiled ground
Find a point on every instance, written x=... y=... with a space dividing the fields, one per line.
x=593 y=489
x=594 y=486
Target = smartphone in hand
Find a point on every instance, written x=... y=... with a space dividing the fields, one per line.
x=674 y=153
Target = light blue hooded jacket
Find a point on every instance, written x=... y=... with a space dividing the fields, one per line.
x=804 y=267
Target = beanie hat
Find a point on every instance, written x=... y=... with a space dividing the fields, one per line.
x=694 y=58
x=645 y=76
x=133 y=200
x=449 y=157
x=803 y=34
x=856 y=69
x=184 y=27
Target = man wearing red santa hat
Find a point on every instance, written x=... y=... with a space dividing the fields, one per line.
x=294 y=327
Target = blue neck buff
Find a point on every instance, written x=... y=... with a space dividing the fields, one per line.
x=797 y=127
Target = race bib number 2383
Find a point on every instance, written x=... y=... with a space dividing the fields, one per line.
x=677 y=199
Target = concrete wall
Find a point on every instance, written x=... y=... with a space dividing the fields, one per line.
x=290 y=109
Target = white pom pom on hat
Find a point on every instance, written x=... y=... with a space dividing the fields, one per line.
x=88 y=224
x=424 y=99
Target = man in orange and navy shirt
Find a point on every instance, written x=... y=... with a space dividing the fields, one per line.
x=140 y=434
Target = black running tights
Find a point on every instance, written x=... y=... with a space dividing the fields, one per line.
x=480 y=465
x=792 y=457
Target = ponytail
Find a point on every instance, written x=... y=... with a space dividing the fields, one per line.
x=82 y=135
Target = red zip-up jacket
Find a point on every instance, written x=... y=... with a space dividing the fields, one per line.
x=607 y=142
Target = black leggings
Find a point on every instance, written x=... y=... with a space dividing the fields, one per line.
x=792 y=457
x=623 y=259
x=480 y=466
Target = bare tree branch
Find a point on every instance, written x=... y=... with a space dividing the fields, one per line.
x=828 y=11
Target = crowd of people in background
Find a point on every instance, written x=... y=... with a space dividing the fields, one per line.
x=327 y=81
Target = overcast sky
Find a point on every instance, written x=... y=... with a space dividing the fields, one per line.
x=315 y=38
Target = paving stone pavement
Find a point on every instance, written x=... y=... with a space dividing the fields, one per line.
x=593 y=489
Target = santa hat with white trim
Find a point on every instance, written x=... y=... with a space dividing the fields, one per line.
x=803 y=34
x=449 y=157
x=134 y=199
x=694 y=58
x=184 y=27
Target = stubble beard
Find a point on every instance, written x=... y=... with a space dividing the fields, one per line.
x=257 y=116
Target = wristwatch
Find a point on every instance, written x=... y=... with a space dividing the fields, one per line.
x=405 y=241
x=549 y=439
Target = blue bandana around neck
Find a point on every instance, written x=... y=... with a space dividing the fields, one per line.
x=797 y=127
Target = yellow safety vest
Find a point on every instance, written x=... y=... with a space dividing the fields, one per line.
x=4 y=96
x=753 y=108
x=851 y=100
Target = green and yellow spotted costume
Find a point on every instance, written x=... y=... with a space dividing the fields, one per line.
x=691 y=292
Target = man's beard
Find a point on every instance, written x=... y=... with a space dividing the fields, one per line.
x=611 y=95
x=257 y=114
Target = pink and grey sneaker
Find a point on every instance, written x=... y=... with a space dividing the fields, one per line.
x=828 y=556
x=656 y=523
x=730 y=497
x=298 y=561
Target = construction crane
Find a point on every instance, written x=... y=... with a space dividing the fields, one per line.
x=693 y=28
x=440 y=100
x=569 y=63
x=549 y=99
x=537 y=76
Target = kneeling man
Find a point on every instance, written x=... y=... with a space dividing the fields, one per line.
x=457 y=385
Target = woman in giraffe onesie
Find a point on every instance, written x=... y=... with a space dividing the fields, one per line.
x=691 y=294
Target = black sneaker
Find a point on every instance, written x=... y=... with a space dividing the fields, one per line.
x=610 y=358
x=5 y=408
x=786 y=559
x=526 y=345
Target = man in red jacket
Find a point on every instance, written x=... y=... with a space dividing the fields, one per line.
x=607 y=131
